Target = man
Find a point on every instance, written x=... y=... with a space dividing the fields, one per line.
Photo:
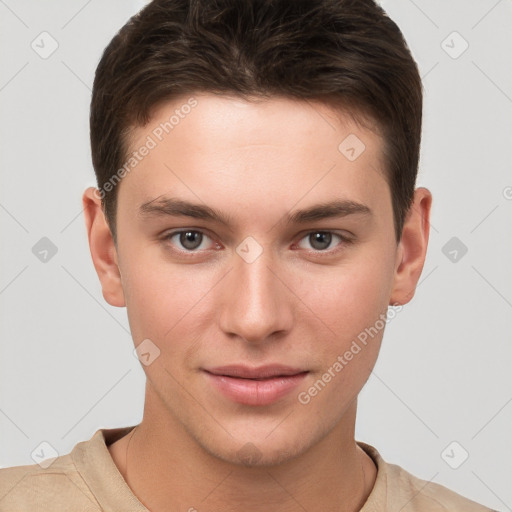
x=256 y=213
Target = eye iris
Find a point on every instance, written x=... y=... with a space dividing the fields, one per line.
x=189 y=239
x=322 y=237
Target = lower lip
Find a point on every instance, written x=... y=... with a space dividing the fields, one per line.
x=256 y=392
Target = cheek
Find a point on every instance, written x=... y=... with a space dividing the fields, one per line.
x=163 y=299
x=354 y=307
x=171 y=304
x=350 y=298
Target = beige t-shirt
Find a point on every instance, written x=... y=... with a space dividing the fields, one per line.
x=87 y=480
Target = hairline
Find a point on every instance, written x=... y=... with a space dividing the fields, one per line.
x=359 y=114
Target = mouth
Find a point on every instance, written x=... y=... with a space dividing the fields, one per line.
x=259 y=386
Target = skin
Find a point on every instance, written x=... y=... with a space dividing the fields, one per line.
x=299 y=303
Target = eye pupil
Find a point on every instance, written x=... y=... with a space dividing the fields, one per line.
x=189 y=239
x=323 y=237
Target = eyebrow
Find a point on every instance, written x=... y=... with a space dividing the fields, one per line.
x=170 y=206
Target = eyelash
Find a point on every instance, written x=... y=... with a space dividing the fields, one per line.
x=344 y=240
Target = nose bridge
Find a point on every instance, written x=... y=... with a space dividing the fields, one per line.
x=255 y=302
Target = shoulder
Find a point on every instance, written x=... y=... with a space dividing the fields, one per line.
x=423 y=495
x=55 y=488
x=397 y=489
x=84 y=480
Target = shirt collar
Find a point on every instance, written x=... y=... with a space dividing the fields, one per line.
x=95 y=464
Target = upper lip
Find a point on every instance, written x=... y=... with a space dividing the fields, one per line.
x=260 y=372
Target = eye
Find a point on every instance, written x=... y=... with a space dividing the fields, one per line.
x=321 y=240
x=189 y=239
x=193 y=241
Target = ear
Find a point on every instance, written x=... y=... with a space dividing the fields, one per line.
x=103 y=249
x=412 y=248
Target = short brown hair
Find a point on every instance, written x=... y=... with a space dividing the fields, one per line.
x=342 y=52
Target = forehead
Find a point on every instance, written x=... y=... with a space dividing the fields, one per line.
x=254 y=121
x=233 y=151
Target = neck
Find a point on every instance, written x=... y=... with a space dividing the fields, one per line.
x=168 y=470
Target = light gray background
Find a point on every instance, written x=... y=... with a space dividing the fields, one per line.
x=66 y=365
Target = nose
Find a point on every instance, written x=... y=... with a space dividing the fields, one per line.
x=256 y=304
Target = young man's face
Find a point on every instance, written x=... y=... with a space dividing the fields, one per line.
x=262 y=289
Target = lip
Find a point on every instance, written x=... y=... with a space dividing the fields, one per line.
x=262 y=385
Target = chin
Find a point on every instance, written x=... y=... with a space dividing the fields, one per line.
x=253 y=456
x=258 y=451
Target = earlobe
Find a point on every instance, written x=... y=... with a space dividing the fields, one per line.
x=103 y=249
x=412 y=249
